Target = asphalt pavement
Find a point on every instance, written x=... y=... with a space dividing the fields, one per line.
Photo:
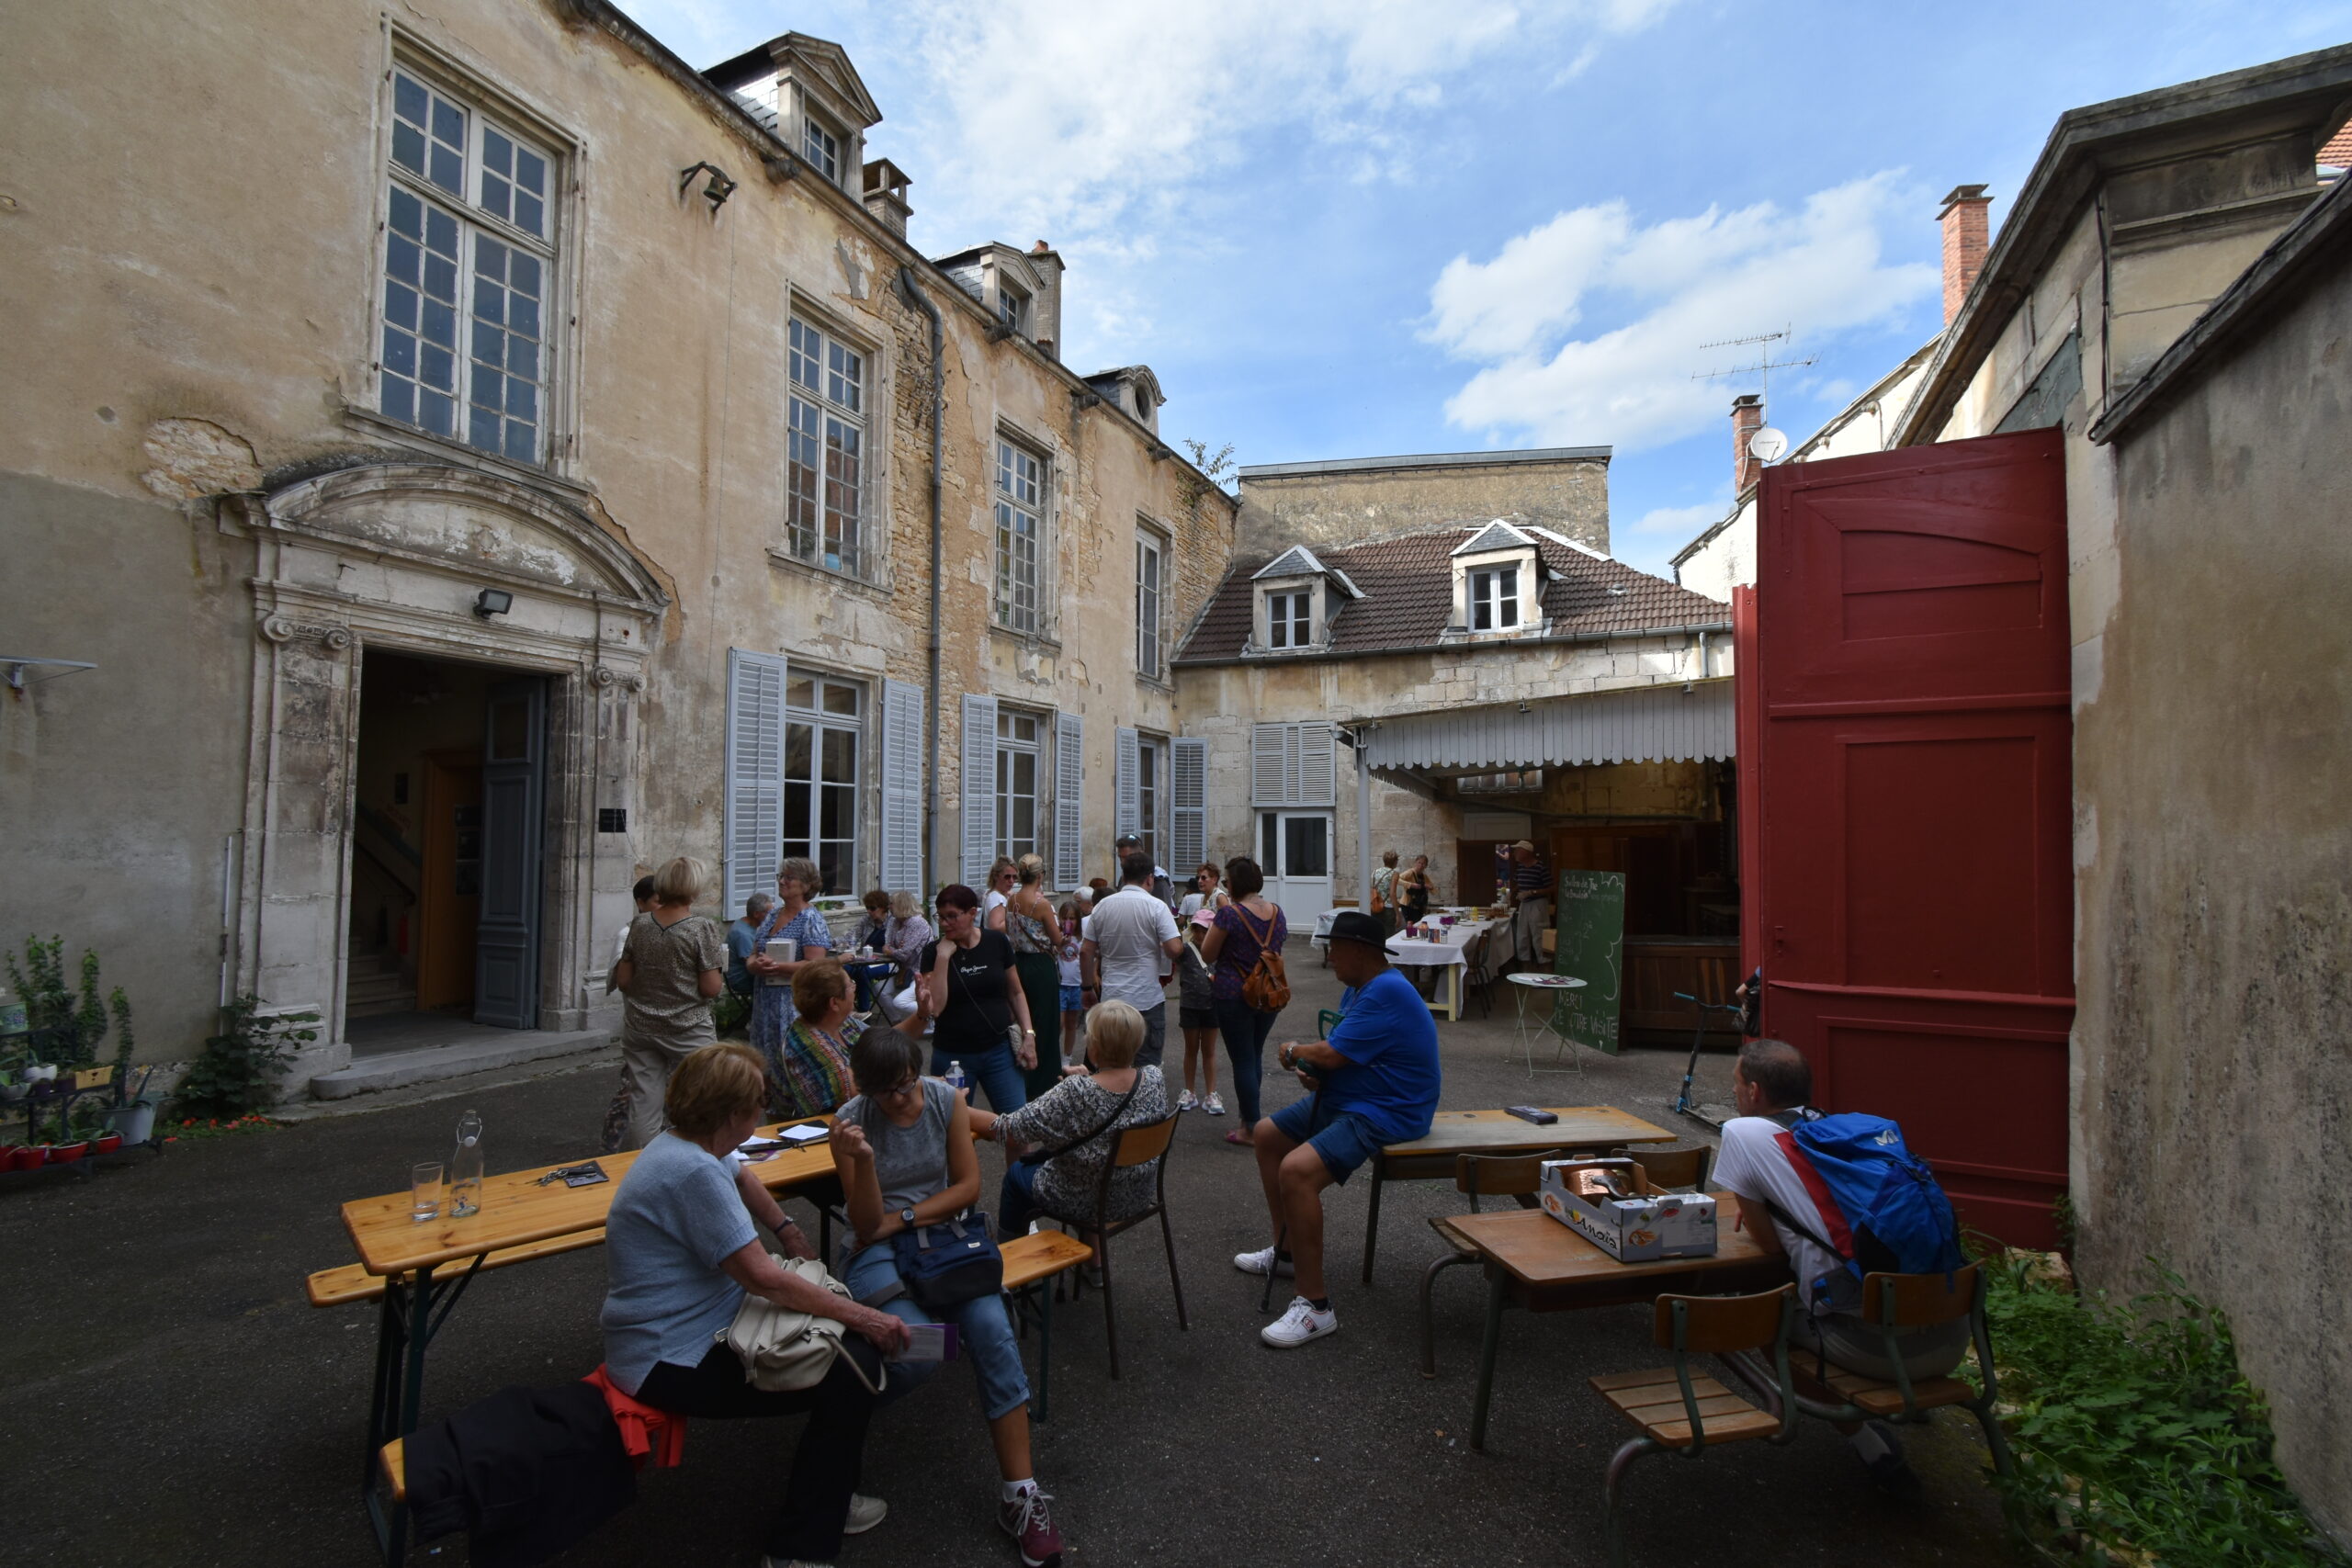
x=167 y=1395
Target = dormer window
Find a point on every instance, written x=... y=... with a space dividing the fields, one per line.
x=1290 y=618
x=1494 y=597
x=822 y=149
x=1012 y=308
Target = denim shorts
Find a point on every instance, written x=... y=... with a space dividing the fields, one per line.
x=983 y=1331
x=1070 y=996
x=1344 y=1139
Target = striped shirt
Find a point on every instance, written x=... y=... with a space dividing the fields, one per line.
x=1531 y=879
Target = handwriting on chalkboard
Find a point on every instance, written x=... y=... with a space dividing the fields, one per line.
x=1591 y=922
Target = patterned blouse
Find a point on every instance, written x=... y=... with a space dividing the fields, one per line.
x=808 y=1071
x=1069 y=1111
x=772 y=997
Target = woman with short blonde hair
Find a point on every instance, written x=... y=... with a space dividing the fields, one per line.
x=1079 y=1121
x=673 y=962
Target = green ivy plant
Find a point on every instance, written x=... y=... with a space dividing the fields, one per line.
x=68 y=1020
x=2137 y=1437
x=239 y=1068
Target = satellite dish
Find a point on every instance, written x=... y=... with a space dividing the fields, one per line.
x=1767 y=446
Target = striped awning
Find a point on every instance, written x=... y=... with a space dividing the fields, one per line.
x=1648 y=724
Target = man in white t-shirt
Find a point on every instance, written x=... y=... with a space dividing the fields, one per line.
x=1771 y=1085
x=1130 y=949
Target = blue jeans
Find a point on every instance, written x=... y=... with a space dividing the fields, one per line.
x=993 y=1072
x=981 y=1327
x=1245 y=1030
x=1016 y=1201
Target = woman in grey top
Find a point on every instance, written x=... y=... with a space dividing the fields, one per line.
x=903 y=1151
x=673 y=962
x=1080 y=1118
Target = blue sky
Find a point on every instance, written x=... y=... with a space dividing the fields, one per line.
x=1347 y=227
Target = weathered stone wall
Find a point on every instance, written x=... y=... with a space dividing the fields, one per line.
x=1569 y=496
x=210 y=323
x=2213 y=805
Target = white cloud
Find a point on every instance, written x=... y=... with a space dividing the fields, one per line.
x=1674 y=286
x=1681 y=521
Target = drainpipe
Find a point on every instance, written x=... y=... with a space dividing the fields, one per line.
x=914 y=298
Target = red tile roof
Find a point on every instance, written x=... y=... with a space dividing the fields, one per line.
x=1407 y=586
x=2337 y=154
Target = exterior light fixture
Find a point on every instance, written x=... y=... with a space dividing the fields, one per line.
x=715 y=190
x=492 y=601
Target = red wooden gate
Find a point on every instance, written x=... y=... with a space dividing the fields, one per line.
x=1904 y=811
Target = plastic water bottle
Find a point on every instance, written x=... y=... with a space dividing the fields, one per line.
x=465 y=1168
x=956 y=1078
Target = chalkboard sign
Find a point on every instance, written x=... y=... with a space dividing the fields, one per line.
x=1591 y=911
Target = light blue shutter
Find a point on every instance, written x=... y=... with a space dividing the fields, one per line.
x=1069 y=800
x=902 y=773
x=1272 y=763
x=1188 y=833
x=1127 y=785
x=980 y=789
x=754 y=808
x=1318 y=764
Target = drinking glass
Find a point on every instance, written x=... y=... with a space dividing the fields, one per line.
x=425 y=1191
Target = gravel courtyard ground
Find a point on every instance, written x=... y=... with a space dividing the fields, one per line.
x=172 y=1399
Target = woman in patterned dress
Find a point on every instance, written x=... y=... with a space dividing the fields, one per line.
x=797 y=883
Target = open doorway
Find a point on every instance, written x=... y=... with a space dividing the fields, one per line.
x=445 y=862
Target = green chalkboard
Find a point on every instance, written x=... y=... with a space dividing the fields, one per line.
x=1591 y=911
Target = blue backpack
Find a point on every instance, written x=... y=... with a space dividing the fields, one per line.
x=1878 y=1206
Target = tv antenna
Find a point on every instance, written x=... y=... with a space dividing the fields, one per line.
x=1767 y=445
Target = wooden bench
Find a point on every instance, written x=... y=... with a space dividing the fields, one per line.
x=352 y=1282
x=1030 y=1261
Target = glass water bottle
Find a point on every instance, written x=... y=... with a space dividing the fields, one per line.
x=465 y=1168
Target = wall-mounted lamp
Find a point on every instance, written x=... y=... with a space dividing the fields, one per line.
x=492 y=601
x=716 y=191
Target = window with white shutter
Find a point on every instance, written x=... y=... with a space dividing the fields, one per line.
x=1188 y=844
x=754 y=806
x=1126 y=786
x=980 y=789
x=902 y=776
x=1069 y=800
x=1293 y=764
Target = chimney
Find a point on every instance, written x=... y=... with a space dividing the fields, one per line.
x=1046 y=326
x=1966 y=234
x=1747 y=419
x=886 y=195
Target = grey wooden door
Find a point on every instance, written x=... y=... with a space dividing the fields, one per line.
x=513 y=802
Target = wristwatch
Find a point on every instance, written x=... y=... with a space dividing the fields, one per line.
x=906 y=1217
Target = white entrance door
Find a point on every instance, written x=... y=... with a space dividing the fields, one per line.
x=1294 y=852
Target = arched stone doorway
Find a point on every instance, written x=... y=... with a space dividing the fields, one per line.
x=428 y=565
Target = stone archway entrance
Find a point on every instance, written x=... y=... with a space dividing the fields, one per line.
x=384 y=567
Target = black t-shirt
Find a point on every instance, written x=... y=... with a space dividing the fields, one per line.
x=975 y=1013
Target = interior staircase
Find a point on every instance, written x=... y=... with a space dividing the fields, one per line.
x=377 y=986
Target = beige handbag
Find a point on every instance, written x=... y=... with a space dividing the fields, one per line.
x=783 y=1349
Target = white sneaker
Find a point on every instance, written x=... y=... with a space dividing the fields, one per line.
x=865 y=1513
x=1215 y=1106
x=1259 y=1261
x=1186 y=1101
x=1299 y=1324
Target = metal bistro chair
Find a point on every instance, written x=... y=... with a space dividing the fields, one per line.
x=1137 y=1145
x=1477 y=975
x=1494 y=1176
x=1684 y=1415
x=1891 y=1301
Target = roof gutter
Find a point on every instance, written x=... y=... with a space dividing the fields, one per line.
x=1559 y=639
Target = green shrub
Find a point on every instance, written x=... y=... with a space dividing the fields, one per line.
x=68 y=1022
x=2137 y=1437
x=240 y=1067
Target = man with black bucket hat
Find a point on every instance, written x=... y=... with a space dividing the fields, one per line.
x=1376 y=1082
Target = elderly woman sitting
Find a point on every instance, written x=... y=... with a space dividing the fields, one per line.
x=809 y=1068
x=680 y=1253
x=1074 y=1127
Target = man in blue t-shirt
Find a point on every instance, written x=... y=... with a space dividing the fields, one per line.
x=1376 y=1082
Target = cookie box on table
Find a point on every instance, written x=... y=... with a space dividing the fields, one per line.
x=1629 y=1219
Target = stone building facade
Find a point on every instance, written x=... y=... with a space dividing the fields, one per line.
x=1351 y=500
x=507 y=463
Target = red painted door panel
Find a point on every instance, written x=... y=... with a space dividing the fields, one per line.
x=1905 y=803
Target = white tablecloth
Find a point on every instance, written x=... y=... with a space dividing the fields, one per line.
x=1451 y=947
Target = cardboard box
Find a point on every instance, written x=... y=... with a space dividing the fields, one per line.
x=1640 y=1229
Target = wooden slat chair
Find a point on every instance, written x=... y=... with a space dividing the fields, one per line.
x=1478 y=973
x=1494 y=1176
x=1686 y=1414
x=1148 y=1144
x=1668 y=1169
x=1891 y=1301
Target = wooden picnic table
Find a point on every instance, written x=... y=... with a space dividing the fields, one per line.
x=1455 y=1132
x=1528 y=1255
x=515 y=1212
